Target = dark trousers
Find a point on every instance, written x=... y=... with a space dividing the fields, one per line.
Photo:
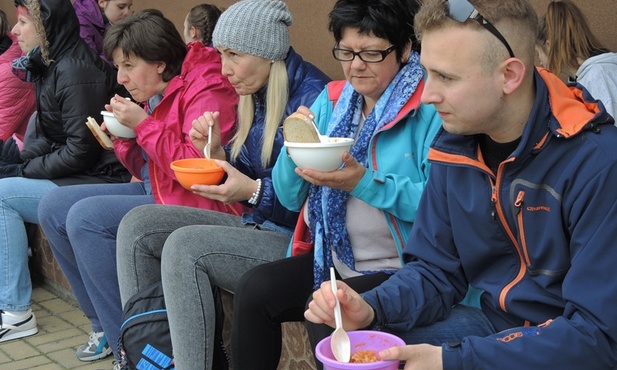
x=271 y=294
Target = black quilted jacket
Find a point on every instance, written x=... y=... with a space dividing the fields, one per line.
x=74 y=85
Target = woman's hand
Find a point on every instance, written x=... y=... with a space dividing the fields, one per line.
x=355 y=311
x=127 y=112
x=305 y=111
x=199 y=134
x=238 y=187
x=343 y=179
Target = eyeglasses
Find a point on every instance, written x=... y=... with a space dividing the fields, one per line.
x=367 y=56
x=462 y=10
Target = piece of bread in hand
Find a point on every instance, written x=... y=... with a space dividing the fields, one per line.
x=100 y=136
x=298 y=128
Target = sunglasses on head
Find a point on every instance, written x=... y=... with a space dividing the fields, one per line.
x=462 y=10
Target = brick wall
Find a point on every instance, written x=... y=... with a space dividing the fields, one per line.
x=310 y=37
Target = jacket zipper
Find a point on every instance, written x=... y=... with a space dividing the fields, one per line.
x=523 y=267
x=519 y=218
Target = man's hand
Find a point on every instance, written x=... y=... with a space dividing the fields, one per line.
x=418 y=356
x=355 y=311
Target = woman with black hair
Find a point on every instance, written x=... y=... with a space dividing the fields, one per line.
x=359 y=217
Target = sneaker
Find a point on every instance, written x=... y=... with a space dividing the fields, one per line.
x=96 y=348
x=17 y=326
x=117 y=365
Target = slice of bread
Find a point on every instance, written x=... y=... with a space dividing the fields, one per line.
x=100 y=136
x=297 y=128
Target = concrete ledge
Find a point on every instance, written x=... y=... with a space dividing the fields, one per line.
x=296 y=353
x=43 y=266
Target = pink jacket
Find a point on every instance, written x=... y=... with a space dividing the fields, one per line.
x=17 y=101
x=164 y=135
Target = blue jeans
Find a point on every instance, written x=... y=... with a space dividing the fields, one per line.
x=463 y=321
x=19 y=201
x=189 y=250
x=81 y=223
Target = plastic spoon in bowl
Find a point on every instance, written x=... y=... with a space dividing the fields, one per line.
x=209 y=144
x=322 y=138
x=339 y=340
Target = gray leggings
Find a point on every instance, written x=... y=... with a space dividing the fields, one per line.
x=189 y=249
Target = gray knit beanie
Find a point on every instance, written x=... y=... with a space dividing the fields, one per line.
x=255 y=27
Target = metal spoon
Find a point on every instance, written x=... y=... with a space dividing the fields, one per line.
x=207 y=147
x=339 y=340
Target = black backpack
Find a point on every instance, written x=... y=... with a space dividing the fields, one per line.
x=145 y=341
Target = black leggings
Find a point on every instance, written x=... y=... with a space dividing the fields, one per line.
x=269 y=295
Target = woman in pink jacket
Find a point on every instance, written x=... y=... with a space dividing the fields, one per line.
x=179 y=84
x=16 y=96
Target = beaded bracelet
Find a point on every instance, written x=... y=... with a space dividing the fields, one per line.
x=256 y=197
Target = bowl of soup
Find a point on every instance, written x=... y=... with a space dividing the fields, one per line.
x=324 y=156
x=115 y=127
x=365 y=348
x=197 y=171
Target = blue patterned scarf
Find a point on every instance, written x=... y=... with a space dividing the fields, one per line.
x=327 y=207
x=20 y=64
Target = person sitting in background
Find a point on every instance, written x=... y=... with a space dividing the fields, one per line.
x=199 y=23
x=96 y=16
x=81 y=222
x=5 y=37
x=360 y=216
x=17 y=101
x=192 y=250
x=517 y=205
x=71 y=84
x=567 y=47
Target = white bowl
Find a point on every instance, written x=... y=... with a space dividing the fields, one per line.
x=324 y=156
x=115 y=127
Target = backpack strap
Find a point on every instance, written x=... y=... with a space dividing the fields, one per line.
x=334 y=90
x=302 y=242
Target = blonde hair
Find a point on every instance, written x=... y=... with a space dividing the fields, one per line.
x=34 y=10
x=276 y=101
x=516 y=20
x=569 y=37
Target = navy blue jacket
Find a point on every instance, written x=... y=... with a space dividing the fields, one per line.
x=538 y=238
x=305 y=84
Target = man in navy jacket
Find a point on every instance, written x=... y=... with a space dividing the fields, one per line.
x=520 y=204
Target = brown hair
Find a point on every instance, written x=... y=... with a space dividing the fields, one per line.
x=516 y=20
x=569 y=37
x=4 y=23
x=149 y=36
x=204 y=17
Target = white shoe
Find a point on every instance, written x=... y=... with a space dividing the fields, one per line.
x=95 y=348
x=17 y=326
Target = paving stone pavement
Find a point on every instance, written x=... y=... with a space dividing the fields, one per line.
x=62 y=328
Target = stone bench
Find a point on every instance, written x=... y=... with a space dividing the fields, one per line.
x=296 y=353
x=43 y=266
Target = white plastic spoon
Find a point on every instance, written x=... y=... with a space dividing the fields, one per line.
x=322 y=138
x=339 y=340
x=207 y=147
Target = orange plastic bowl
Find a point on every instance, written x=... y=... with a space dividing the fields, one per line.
x=192 y=171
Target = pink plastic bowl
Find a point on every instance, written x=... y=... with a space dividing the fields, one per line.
x=360 y=340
